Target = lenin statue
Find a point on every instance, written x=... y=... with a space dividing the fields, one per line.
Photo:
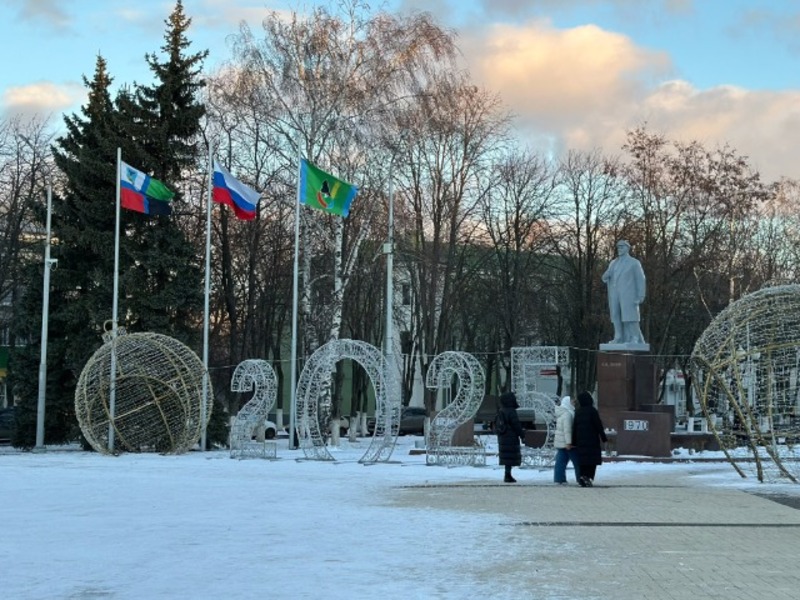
x=626 y=289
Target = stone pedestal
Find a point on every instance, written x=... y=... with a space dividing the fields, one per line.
x=643 y=434
x=668 y=409
x=625 y=382
x=464 y=435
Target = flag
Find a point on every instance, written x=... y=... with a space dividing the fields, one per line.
x=323 y=191
x=226 y=189
x=142 y=193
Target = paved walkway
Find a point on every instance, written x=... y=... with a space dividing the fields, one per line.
x=664 y=538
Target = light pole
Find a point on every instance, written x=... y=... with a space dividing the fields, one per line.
x=388 y=250
x=48 y=263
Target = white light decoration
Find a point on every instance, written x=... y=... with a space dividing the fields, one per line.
x=311 y=399
x=526 y=364
x=470 y=390
x=544 y=407
x=158 y=395
x=258 y=375
x=745 y=369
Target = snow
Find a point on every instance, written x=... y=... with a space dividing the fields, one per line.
x=80 y=525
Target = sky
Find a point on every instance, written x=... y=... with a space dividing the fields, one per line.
x=80 y=525
x=577 y=74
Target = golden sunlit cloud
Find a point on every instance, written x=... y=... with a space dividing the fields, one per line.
x=554 y=73
x=41 y=98
x=583 y=88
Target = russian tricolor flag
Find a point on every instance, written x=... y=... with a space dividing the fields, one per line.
x=226 y=189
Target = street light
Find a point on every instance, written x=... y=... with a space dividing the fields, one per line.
x=48 y=263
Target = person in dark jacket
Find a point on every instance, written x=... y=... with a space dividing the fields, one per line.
x=587 y=434
x=509 y=434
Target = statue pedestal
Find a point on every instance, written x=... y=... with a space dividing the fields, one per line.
x=627 y=347
x=626 y=381
x=644 y=434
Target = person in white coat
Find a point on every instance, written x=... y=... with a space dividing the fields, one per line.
x=565 y=452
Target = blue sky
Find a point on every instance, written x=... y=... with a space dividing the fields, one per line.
x=577 y=73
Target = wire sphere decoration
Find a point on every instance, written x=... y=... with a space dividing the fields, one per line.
x=158 y=395
x=745 y=368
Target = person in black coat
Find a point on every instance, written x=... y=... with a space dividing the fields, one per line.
x=509 y=432
x=587 y=434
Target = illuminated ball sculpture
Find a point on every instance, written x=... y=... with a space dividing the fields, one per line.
x=746 y=373
x=157 y=404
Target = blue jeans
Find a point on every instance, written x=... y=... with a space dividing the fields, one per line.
x=563 y=456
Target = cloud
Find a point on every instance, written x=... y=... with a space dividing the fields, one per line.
x=763 y=125
x=47 y=11
x=550 y=75
x=761 y=21
x=583 y=88
x=224 y=14
x=42 y=98
x=634 y=10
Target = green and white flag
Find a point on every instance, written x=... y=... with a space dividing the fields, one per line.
x=323 y=191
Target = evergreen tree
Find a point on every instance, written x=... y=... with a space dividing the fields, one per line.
x=82 y=227
x=163 y=287
x=160 y=273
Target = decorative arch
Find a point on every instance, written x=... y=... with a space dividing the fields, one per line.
x=311 y=398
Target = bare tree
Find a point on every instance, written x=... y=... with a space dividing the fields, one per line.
x=590 y=199
x=26 y=168
x=320 y=86
x=452 y=134
x=515 y=210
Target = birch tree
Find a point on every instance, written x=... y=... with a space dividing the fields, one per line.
x=327 y=79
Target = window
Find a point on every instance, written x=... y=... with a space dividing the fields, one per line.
x=406 y=291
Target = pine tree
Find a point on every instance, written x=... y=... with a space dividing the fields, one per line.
x=81 y=285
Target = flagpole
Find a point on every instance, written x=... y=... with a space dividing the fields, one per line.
x=388 y=249
x=293 y=369
x=112 y=395
x=40 y=407
x=204 y=400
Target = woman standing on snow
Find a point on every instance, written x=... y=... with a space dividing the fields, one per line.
x=509 y=434
x=562 y=441
x=587 y=433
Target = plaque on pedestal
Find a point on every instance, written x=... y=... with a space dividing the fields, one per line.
x=643 y=434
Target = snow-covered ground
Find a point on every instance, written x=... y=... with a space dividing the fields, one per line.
x=79 y=525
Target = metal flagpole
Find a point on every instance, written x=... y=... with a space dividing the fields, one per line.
x=204 y=400
x=45 y=313
x=112 y=394
x=388 y=250
x=293 y=369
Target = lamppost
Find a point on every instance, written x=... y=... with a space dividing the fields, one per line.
x=48 y=264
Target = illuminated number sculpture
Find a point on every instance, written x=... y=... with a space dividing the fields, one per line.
x=258 y=375
x=157 y=396
x=312 y=399
x=470 y=381
x=745 y=371
x=526 y=365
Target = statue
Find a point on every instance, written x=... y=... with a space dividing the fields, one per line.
x=626 y=288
